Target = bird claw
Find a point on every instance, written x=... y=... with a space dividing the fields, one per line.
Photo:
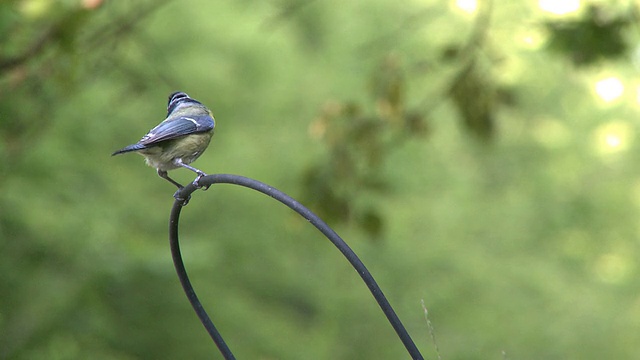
x=196 y=182
x=178 y=197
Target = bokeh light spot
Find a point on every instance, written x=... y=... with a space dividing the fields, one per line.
x=468 y=6
x=531 y=39
x=612 y=137
x=609 y=89
x=35 y=8
x=559 y=7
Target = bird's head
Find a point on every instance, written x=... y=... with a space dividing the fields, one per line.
x=178 y=99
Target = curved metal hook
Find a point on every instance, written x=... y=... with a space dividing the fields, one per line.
x=366 y=276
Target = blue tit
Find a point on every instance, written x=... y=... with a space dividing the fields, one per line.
x=178 y=140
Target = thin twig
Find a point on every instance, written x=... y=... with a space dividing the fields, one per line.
x=432 y=333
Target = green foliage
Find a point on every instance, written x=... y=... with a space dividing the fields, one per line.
x=461 y=156
x=358 y=146
x=596 y=36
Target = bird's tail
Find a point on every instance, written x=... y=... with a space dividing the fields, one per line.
x=126 y=149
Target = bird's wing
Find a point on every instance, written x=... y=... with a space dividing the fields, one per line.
x=184 y=125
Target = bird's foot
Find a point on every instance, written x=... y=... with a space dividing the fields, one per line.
x=196 y=182
x=179 y=197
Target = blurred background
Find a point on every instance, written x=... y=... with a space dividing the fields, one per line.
x=479 y=156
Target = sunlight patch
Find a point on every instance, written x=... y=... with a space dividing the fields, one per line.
x=613 y=137
x=468 y=6
x=559 y=7
x=609 y=89
x=532 y=39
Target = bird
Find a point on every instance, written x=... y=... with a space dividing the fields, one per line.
x=178 y=140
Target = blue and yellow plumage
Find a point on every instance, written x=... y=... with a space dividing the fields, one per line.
x=178 y=140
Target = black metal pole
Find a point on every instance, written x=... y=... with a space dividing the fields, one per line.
x=366 y=276
x=188 y=289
